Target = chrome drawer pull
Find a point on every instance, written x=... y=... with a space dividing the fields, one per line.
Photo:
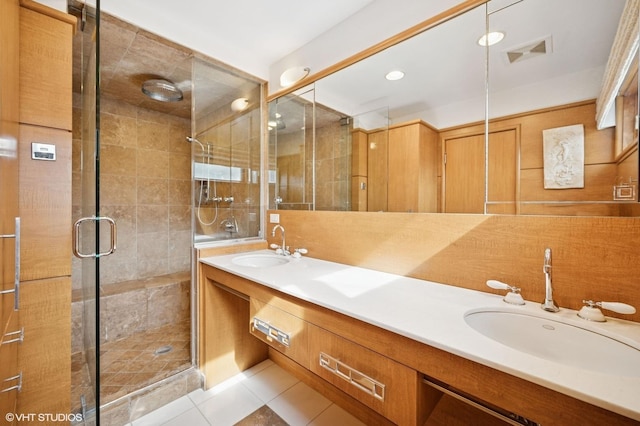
x=353 y=376
x=17 y=387
x=16 y=274
x=19 y=333
x=271 y=332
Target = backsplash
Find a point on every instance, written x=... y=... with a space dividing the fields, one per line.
x=593 y=258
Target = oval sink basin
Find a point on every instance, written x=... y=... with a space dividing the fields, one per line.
x=558 y=342
x=260 y=260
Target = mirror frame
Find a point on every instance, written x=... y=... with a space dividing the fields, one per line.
x=391 y=41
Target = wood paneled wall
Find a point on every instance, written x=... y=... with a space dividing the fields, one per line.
x=601 y=165
x=593 y=258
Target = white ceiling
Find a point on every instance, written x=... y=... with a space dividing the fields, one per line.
x=247 y=34
x=251 y=35
x=444 y=67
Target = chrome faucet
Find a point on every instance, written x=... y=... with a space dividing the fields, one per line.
x=285 y=250
x=548 y=304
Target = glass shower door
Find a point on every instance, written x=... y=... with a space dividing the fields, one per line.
x=87 y=229
x=88 y=208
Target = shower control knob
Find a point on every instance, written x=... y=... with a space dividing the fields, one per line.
x=228 y=199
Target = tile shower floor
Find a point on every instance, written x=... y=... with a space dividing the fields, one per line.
x=263 y=395
x=134 y=362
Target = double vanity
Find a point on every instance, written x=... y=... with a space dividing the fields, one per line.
x=389 y=347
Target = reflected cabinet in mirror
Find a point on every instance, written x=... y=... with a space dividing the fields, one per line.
x=542 y=121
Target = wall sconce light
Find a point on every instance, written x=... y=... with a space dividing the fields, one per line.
x=239 y=104
x=293 y=75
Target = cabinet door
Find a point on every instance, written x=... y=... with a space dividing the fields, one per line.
x=9 y=361
x=45 y=205
x=413 y=174
x=45 y=354
x=377 y=170
x=503 y=172
x=464 y=177
x=382 y=384
x=46 y=60
x=404 y=169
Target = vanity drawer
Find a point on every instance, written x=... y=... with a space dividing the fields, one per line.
x=281 y=330
x=380 y=383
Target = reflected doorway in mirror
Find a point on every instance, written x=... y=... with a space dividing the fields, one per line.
x=563 y=150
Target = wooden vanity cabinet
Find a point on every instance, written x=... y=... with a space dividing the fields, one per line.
x=382 y=384
x=360 y=359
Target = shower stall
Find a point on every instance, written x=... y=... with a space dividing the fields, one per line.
x=226 y=147
x=170 y=150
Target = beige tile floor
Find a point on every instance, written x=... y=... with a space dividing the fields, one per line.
x=134 y=362
x=263 y=395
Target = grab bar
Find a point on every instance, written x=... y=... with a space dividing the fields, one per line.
x=16 y=273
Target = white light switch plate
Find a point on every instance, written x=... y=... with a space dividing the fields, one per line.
x=274 y=218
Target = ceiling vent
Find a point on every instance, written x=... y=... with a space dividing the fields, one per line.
x=530 y=50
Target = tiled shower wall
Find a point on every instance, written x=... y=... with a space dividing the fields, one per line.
x=331 y=164
x=146 y=187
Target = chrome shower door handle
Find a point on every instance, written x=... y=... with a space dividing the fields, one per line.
x=76 y=236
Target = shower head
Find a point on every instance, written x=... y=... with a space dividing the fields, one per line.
x=162 y=90
x=191 y=140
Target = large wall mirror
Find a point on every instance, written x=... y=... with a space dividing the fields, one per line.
x=542 y=122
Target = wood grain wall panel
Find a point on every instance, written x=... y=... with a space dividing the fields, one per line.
x=628 y=166
x=46 y=59
x=598 y=144
x=45 y=205
x=599 y=157
x=598 y=185
x=571 y=209
x=45 y=354
x=593 y=258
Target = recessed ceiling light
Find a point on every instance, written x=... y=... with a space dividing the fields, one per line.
x=491 y=38
x=394 y=75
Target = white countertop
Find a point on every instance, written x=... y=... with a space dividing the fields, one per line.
x=433 y=314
